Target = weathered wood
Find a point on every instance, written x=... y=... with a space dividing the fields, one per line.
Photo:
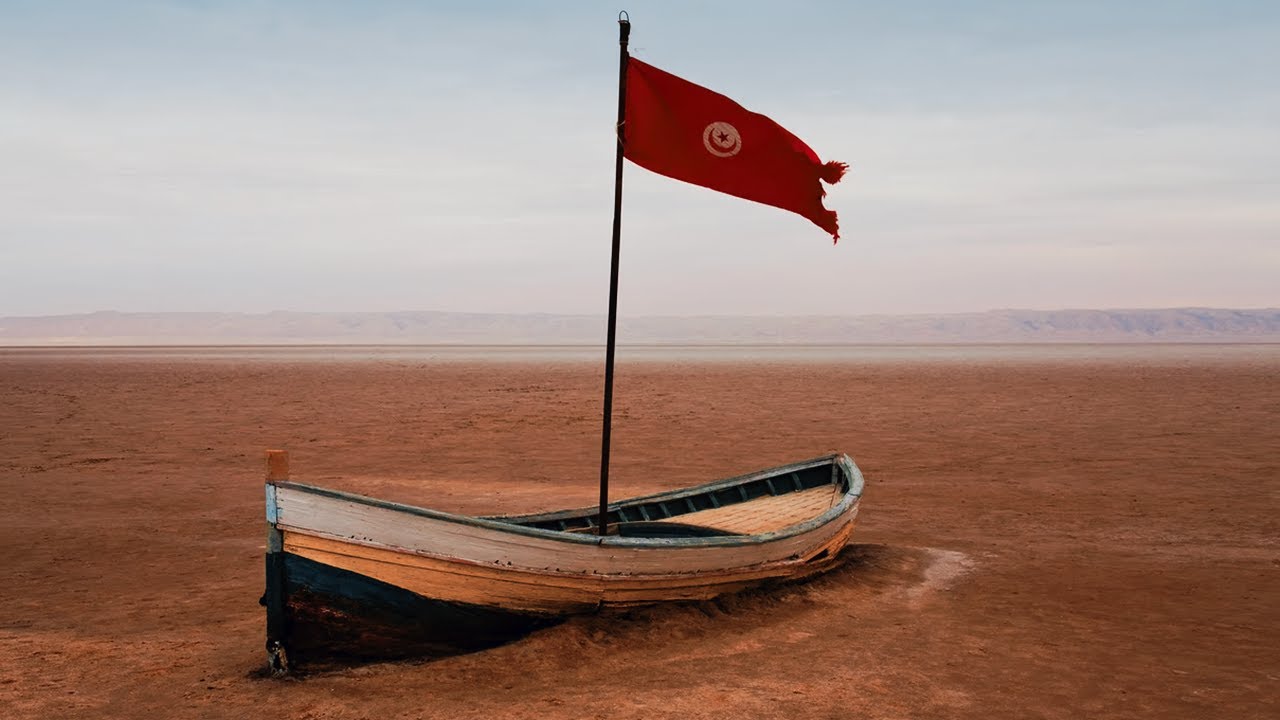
x=765 y=514
x=274 y=597
x=540 y=592
x=691 y=544
x=458 y=538
x=277 y=465
x=708 y=492
x=452 y=581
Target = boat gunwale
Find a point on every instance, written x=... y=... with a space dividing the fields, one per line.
x=850 y=498
x=666 y=495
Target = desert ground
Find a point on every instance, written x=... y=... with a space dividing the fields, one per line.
x=1042 y=536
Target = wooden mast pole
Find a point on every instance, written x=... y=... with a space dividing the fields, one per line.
x=624 y=34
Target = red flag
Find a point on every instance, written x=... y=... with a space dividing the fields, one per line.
x=689 y=133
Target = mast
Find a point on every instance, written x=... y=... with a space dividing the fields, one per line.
x=624 y=33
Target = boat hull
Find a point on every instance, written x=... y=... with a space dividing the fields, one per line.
x=335 y=614
x=355 y=577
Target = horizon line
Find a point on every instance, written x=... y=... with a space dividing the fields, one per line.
x=1166 y=308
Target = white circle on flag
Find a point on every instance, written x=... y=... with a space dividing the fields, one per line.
x=722 y=139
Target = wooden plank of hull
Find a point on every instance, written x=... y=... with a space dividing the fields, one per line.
x=549 y=593
x=426 y=533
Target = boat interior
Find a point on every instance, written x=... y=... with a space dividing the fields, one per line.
x=747 y=506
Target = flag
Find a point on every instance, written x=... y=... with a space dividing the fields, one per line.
x=687 y=132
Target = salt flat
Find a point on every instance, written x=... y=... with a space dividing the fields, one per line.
x=1079 y=534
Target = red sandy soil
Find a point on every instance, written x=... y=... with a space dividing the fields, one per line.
x=1038 y=540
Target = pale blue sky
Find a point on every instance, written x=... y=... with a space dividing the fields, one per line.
x=253 y=156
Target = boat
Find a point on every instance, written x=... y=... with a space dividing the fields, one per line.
x=351 y=577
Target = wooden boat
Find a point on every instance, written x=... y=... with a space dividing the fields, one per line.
x=353 y=576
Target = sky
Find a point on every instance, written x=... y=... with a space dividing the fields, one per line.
x=380 y=156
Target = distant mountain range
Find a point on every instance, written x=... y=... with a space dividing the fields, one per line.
x=1175 y=325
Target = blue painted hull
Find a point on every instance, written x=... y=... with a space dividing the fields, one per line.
x=334 y=615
